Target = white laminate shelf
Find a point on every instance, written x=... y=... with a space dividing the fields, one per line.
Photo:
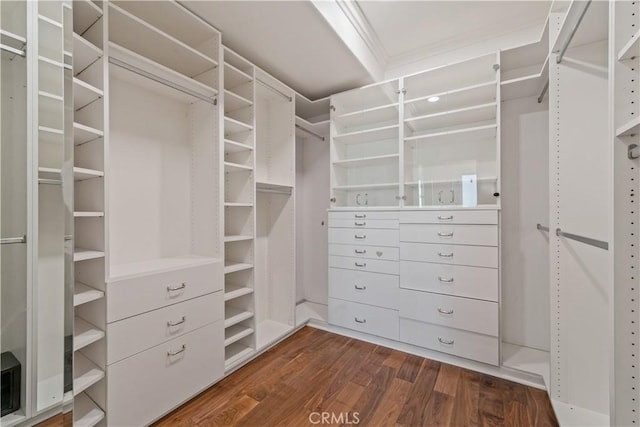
x=134 y=33
x=237 y=238
x=235 y=353
x=235 y=167
x=447 y=181
x=86 y=214
x=50 y=96
x=237 y=205
x=631 y=49
x=84 y=93
x=80 y=254
x=83 y=294
x=233 y=101
x=85 y=14
x=274 y=186
x=86 y=373
x=368 y=116
x=232 y=267
x=488 y=129
x=320 y=127
x=385 y=160
x=133 y=270
x=632 y=127
x=369 y=135
x=232 y=126
x=464 y=95
x=234 y=77
x=84 y=334
x=83 y=134
x=454 y=118
x=235 y=333
x=86 y=413
x=81 y=174
x=233 y=316
x=85 y=53
x=235 y=147
x=382 y=186
x=233 y=291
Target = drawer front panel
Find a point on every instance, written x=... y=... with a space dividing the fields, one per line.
x=475 y=256
x=373 y=237
x=147 y=385
x=465 y=344
x=364 y=223
x=483 y=235
x=130 y=297
x=381 y=290
x=138 y=333
x=363 y=215
x=455 y=312
x=471 y=282
x=449 y=217
x=373 y=252
x=364 y=318
x=368 y=265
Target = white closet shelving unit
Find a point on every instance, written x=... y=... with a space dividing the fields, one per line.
x=89 y=120
x=624 y=69
x=239 y=211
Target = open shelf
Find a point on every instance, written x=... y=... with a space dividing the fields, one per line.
x=78 y=214
x=368 y=161
x=81 y=174
x=369 y=135
x=156 y=266
x=483 y=129
x=236 y=333
x=237 y=238
x=631 y=49
x=80 y=254
x=448 y=119
x=83 y=134
x=235 y=126
x=234 y=77
x=383 y=186
x=233 y=316
x=83 y=294
x=447 y=181
x=233 y=102
x=84 y=94
x=85 y=14
x=84 y=333
x=143 y=38
x=369 y=116
x=632 y=127
x=232 y=267
x=236 y=353
x=321 y=127
x=85 y=53
x=50 y=96
x=235 y=167
x=236 y=291
x=273 y=186
x=237 y=205
x=235 y=147
x=51 y=131
x=86 y=373
x=523 y=87
x=85 y=412
x=270 y=331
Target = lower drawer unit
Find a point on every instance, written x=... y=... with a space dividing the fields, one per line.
x=135 y=334
x=370 y=265
x=372 y=320
x=143 y=387
x=455 y=312
x=368 y=288
x=458 y=280
x=359 y=251
x=354 y=236
x=477 y=256
x=469 y=345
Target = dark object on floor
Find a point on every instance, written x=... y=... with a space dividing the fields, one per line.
x=10 y=383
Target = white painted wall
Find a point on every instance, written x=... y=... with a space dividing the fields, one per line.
x=525 y=202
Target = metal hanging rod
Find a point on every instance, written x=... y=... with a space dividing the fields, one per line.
x=68 y=237
x=161 y=80
x=587 y=240
x=279 y=92
x=543 y=93
x=269 y=190
x=12 y=50
x=320 y=137
x=542 y=227
x=13 y=240
x=567 y=42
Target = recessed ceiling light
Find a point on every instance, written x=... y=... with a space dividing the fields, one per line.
x=434 y=99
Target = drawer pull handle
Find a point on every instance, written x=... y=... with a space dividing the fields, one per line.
x=360 y=236
x=445 y=218
x=176 y=288
x=177 y=352
x=449 y=255
x=360 y=321
x=360 y=224
x=179 y=322
x=361 y=251
x=361 y=288
x=442 y=311
x=445 y=234
x=443 y=280
x=361 y=216
x=364 y=264
x=443 y=341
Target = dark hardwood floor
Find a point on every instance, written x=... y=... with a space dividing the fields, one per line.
x=319 y=378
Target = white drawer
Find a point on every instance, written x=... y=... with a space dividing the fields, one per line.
x=363 y=214
x=454 y=234
x=455 y=312
x=449 y=217
x=360 y=264
x=471 y=282
x=381 y=290
x=364 y=318
x=374 y=237
x=482 y=348
x=364 y=223
x=477 y=256
x=373 y=252
x=143 y=387
x=138 y=333
x=126 y=298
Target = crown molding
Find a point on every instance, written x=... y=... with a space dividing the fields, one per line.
x=356 y=16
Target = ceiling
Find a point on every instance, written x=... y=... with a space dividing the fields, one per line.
x=320 y=47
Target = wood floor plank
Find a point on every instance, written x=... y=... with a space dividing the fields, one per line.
x=409 y=369
x=413 y=412
x=231 y=414
x=392 y=402
x=448 y=379
x=466 y=407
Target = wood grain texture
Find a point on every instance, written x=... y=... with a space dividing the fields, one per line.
x=315 y=373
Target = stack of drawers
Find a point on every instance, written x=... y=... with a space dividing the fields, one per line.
x=449 y=280
x=363 y=271
x=165 y=340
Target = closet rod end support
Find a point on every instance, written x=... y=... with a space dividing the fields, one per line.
x=633 y=152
